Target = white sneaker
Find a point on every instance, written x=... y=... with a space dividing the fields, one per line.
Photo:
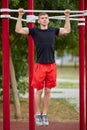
x=38 y=120
x=45 y=120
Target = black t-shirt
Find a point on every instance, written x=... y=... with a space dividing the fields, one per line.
x=44 y=42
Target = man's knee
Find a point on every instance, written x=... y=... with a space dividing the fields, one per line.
x=39 y=92
x=47 y=91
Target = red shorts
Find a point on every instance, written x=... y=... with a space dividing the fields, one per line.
x=44 y=76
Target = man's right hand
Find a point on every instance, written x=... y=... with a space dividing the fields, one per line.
x=21 y=11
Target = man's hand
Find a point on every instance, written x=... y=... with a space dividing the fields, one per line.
x=21 y=11
x=67 y=13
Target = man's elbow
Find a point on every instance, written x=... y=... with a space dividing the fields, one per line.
x=68 y=30
x=17 y=30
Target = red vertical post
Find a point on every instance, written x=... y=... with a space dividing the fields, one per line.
x=5 y=69
x=81 y=66
x=31 y=65
x=86 y=56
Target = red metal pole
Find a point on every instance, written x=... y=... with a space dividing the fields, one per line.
x=31 y=65
x=81 y=67
x=86 y=57
x=5 y=69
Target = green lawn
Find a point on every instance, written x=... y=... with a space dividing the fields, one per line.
x=67 y=73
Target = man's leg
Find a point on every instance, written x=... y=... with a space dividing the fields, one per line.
x=38 y=117
x=45 y=107
x=46 y=100
x=38 y=94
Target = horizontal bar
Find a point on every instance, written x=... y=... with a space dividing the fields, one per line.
x=38 y=11
x=14 y=18
x=76 y=15
x=81 y=24
x=32 y=19
x=4 y=16
x=72 y=19
x=9 y=16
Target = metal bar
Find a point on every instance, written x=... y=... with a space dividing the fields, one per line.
x=38 y=11
x=36 y=17
x=72 y=19
x=81 y=68
x=30 y=70
x=86 y=67
x=76 y=15
x=5 y=69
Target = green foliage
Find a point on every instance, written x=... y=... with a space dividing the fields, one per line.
x=14 y=2
x=23 y=85
x=20 y=56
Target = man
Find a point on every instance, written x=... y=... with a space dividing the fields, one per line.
x=44 y=76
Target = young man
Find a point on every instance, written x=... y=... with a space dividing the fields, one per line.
x=44 y=76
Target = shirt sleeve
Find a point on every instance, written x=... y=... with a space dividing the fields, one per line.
x=31 y=31
x=57 y=31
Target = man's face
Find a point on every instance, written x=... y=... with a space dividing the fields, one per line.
x=43 y=20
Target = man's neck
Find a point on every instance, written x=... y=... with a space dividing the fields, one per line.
x=44 y=27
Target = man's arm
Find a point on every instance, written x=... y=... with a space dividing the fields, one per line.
x=67 y=27
x=19 y=29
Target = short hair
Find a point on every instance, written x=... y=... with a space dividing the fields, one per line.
x=42 y=13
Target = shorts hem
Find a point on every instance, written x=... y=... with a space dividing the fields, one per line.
x=50 y=87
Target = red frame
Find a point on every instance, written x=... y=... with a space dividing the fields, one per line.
x=6 y=70
x=81 y=68
x=31 y=66
x=86 y=57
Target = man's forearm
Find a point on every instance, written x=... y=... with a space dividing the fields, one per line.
x=19 y=23
x=67 y=24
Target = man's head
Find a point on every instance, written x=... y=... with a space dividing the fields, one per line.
x=43 y=19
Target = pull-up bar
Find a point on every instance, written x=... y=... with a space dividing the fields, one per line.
x=38 y=11
x=32 y=18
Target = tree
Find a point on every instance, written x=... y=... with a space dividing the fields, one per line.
x=14 y=89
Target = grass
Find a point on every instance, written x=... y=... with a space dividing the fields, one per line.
x=61 y=110
x=67 y=72
x=67 y=85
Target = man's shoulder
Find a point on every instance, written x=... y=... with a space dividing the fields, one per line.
x=33 y=30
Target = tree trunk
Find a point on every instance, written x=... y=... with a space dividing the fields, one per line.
x=14 y=89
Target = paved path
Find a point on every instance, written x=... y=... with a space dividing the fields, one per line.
x=52 y=126
x=65 y=93
x=68 y=80
x=61 y=93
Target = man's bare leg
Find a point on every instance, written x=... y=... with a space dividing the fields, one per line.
x=38 y=94
x=45 y=107
x=46 y=100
